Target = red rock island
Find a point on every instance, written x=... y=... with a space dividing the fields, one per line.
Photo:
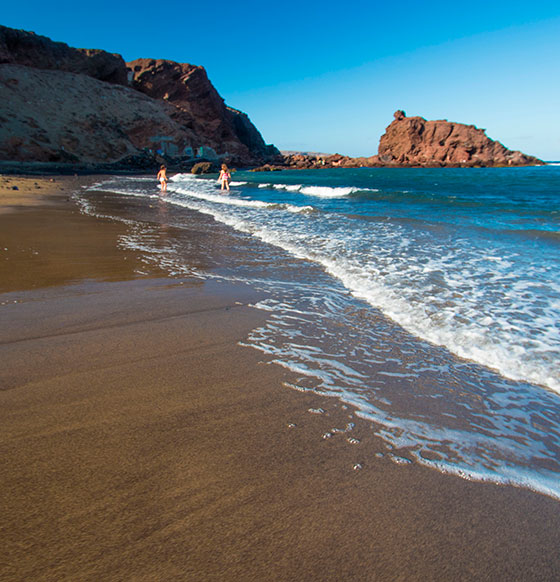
x=413 y=141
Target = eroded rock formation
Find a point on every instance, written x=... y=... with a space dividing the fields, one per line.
x=199 y=107
x=413 y=141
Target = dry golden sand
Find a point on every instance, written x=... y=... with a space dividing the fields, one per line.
x=20 y=191
x=140 y=442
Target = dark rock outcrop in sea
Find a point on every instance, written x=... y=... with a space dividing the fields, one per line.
x=84 y=109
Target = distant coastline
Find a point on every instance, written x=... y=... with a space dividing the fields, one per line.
x=88 y=111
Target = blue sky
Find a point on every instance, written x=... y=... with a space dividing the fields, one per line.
x=324 y=76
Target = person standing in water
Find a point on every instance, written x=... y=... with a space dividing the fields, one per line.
x=224 y=177
x=162 y=177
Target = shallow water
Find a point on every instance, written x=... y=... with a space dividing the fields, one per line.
x=428 y=300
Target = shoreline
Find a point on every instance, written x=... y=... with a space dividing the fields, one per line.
x=142 y=442
x=41 y=169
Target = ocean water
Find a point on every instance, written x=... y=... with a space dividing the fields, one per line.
x=426 y=300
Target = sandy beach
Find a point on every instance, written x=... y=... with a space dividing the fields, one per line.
x=141 y=442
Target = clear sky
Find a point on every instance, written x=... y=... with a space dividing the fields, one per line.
x=327 y=76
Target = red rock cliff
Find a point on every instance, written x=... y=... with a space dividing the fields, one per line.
x=199 y=107
x=413 y=141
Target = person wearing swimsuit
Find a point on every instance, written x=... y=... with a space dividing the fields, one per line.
x=224 y=177
x=162 y=177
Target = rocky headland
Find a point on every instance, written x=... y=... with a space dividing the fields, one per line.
x=85 y=109
x=416 y=142
x=413 y=141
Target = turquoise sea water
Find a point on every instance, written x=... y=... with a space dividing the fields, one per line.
x=428 y=300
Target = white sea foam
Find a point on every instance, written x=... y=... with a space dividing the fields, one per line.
x=454 y=322
x=183 y=178
x=221 y=198
x=318 y=191
x=472 y=340
x=287 y=187
x=327 y=192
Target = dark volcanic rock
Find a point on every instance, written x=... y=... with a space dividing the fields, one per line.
x=249 y=135
x=413 y=141
x=204 y=168
x=18 y=47
x=199 y=107
x=304 y=161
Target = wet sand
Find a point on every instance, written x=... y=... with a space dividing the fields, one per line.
x=139 y=441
